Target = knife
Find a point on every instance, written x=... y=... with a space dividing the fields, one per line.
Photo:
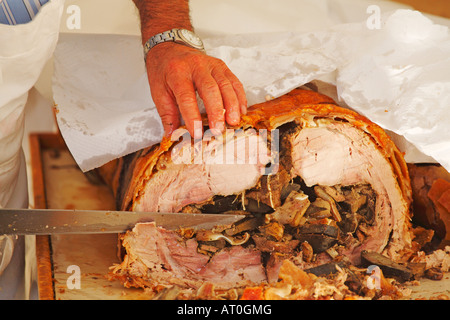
x=51 y=221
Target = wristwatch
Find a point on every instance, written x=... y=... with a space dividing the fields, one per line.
x=182 y=36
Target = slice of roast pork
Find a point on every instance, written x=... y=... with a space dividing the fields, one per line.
x=317 y=181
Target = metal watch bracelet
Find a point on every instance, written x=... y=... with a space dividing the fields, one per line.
x=156 y=39
x=180 y=36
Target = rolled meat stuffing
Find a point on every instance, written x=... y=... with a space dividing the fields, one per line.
x=317 y=182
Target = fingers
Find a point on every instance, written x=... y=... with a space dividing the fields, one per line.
x=229 y=98
x=209 y=91
x=186 y=100
x=222 y=94
x=218 y=92
x=240 y=92
x=169 y=114
x=182 y=72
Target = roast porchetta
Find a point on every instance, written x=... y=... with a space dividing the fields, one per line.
x=319 y=185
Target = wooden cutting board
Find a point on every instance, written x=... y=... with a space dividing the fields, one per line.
x=67 y=260
x=64 y=261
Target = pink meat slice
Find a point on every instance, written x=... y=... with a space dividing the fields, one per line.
x=161 y=256
x=340 y=154
x=224 y=169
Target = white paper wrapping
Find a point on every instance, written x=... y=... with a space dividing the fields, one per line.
x=396 y=75
x=24 y=50
x=103 y=97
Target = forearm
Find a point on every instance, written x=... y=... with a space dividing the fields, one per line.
x=158 y=16
x=176 y=73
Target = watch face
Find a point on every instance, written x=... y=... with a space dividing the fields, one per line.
x=191 y=37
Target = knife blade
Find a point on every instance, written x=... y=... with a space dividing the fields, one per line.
x=51 y=221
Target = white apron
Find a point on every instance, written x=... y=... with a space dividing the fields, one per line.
x=13 y=266
x=24 y=50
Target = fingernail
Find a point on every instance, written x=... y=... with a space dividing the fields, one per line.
x=243 y=109
x=234 y=117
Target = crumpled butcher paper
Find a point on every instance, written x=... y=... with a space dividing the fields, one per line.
x=396 y=74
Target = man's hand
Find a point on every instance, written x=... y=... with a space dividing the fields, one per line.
x=176 y=72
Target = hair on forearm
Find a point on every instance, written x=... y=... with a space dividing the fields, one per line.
x=157 y=16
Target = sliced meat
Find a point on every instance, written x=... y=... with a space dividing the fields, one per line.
x=338 y=153
x=295 y=163
x=221 y=171
x=157 y=256
x=234 y=267
x=187 y=172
